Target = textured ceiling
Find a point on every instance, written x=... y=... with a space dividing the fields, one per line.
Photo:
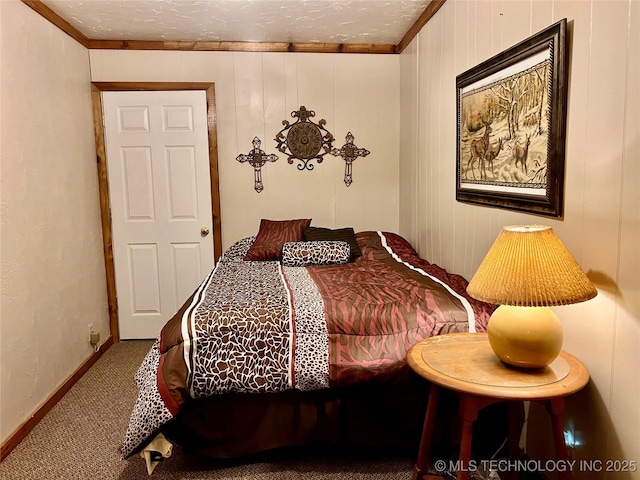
x=292 y=21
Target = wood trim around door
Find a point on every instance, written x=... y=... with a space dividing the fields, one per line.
x=101 y=157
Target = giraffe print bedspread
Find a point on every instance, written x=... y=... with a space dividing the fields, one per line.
x=264 y=327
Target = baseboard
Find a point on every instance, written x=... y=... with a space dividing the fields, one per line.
x=23 y=430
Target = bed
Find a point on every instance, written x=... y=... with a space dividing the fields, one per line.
x=298 y=335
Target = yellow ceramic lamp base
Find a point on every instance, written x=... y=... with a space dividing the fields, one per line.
x=525 y=337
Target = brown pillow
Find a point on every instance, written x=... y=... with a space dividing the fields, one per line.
x=346 y=234
x=272 y=236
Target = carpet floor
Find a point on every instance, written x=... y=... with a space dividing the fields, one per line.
x=81 y=436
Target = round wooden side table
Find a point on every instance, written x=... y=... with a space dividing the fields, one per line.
x=465 y=363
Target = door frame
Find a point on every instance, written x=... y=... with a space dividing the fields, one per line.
x=103 y=183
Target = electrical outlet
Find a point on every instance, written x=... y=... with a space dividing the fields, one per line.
x=94 y=337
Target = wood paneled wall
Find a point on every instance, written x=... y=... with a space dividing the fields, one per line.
x=601 y=224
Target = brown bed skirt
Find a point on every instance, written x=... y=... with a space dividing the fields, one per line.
x=388 y=415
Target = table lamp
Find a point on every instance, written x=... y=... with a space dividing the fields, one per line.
x=527 y=270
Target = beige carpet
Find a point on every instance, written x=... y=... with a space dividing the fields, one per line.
x=80 y=438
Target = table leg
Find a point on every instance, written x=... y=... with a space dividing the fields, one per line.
x=468 y=414
x=470 y=405
x=555 y=407
x=427 y=431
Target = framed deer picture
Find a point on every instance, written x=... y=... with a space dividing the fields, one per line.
x=511 y=120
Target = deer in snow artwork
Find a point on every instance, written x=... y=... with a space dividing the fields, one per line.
x=478 y=149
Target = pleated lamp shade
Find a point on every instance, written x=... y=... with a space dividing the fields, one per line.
x=529 y=266
x=526 y=271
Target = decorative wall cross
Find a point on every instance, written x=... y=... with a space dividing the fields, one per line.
x=304 y=139
x=349 y=152
x=257 y=158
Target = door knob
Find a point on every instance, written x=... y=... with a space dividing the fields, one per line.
x=204 y=231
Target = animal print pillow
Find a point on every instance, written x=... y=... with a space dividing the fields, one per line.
x=272 y=235
x=302 y=254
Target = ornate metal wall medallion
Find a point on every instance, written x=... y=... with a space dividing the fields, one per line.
x=349 y=152
x=257 y=158
x=304 y=139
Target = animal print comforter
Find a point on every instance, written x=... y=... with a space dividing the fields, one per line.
x=264 y=327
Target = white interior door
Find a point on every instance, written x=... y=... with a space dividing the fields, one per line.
x=160 y=192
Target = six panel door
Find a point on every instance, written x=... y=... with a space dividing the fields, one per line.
x=160 y=193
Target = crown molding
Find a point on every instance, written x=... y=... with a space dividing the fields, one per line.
x=429 y=12
x=58 y=21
